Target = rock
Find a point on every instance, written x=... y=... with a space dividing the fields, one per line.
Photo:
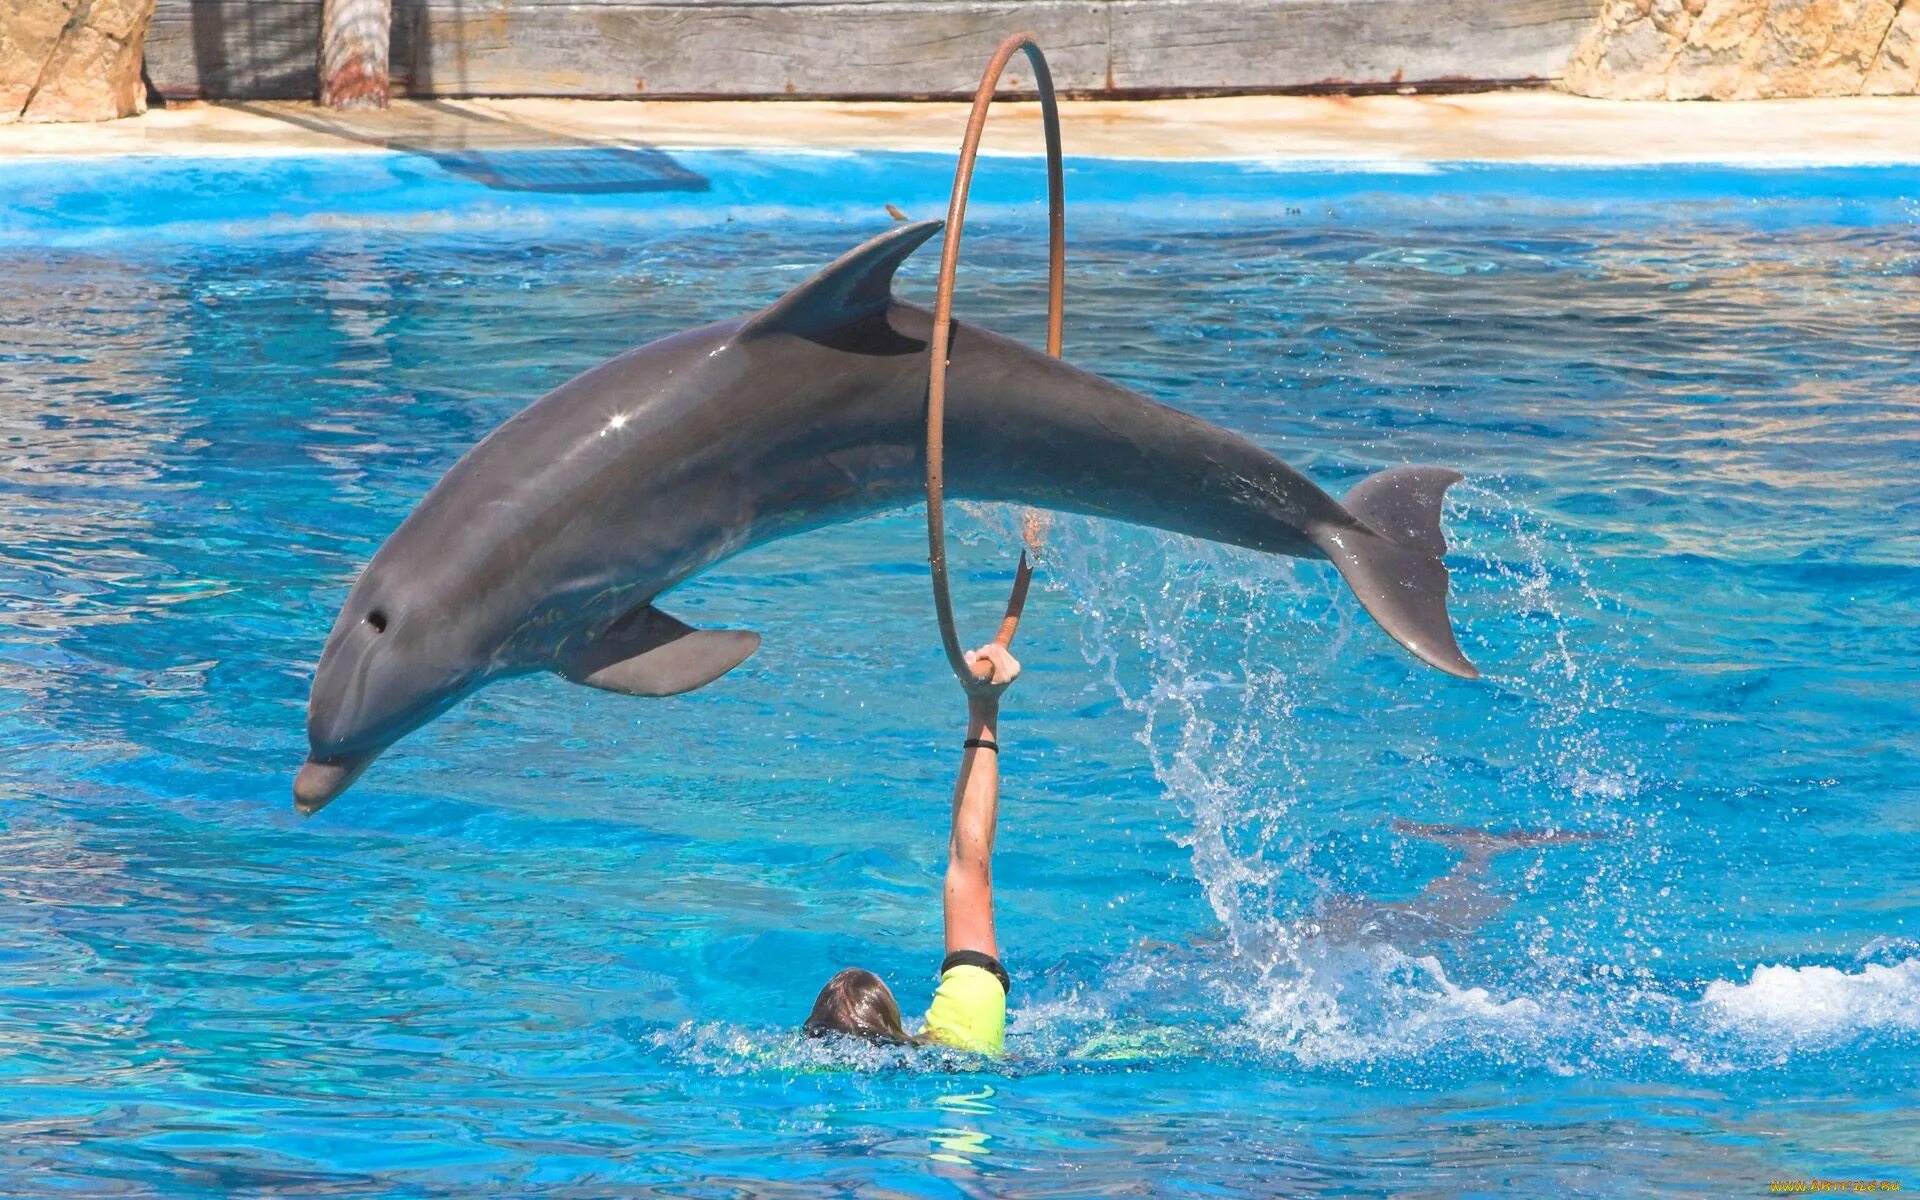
x=1896 y=72
x=1712 y=63
x=28 y=33
x=1748 y=49
x=72 y=60
x=1615 y=63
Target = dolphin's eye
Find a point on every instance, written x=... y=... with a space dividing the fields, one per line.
x=378 y=620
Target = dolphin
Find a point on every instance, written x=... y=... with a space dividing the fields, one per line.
x=545 y=546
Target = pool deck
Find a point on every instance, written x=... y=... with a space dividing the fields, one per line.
x=1519 y=126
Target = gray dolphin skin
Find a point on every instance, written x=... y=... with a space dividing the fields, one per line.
x=544 y=547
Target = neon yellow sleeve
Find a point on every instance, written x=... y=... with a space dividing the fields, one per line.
x=969 y=1011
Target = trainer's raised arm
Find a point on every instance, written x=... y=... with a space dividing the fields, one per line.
x=976 y=803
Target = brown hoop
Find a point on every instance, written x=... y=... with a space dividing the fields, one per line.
x=943 y=324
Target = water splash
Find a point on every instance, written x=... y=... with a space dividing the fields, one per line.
x=1284 y=729
x=1789 y=1007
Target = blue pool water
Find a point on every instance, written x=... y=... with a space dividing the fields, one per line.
x=556 y=944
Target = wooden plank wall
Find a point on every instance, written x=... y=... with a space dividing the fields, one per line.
x=265 y=49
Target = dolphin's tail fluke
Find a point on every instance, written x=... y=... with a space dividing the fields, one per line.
x=1392 y=560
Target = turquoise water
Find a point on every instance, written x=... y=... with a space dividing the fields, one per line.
x=556 y=944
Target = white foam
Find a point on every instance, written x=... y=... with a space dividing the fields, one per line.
x=1818 y=1004
x=1337 y=1004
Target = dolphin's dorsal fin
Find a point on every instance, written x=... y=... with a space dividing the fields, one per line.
x=854 y=287
x=648 y=653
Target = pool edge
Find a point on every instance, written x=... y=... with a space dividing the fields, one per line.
x=1364 y=133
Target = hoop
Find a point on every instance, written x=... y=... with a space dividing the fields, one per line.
x=943 y=325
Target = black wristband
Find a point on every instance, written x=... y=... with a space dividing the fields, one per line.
x=977 y=958
x=982 y=744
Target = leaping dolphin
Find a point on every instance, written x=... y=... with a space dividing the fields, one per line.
x=544 y=547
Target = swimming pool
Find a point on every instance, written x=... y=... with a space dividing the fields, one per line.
x=556 y=943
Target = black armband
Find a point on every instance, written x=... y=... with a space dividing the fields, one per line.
x=981 y=744
x=975 y=958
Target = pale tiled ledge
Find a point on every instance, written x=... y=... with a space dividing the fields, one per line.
x=1539 y=127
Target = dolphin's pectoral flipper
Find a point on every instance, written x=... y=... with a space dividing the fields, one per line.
x=1393 y=560
x=648 y=653
x=853 y=288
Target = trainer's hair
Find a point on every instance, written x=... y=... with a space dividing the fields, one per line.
x=856 y=1002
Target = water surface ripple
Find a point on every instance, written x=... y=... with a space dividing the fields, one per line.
x=556 y=944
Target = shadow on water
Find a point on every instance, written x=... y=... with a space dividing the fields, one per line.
x=1454 y=906
x=585 y=170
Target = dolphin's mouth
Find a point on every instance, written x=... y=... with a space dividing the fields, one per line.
x=321 y=780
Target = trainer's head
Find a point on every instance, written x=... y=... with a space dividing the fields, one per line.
x=857 y=1002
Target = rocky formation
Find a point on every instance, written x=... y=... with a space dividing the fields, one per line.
x=1748 y=49
x=72 y=60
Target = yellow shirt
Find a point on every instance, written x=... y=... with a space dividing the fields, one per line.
x=969 y=1011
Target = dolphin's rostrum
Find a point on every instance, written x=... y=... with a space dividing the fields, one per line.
x=544 y=547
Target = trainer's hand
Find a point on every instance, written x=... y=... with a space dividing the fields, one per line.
x=999 y=666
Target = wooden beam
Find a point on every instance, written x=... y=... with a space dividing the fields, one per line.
x=262 y=49
x=1337 y=44
x=810 y=49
